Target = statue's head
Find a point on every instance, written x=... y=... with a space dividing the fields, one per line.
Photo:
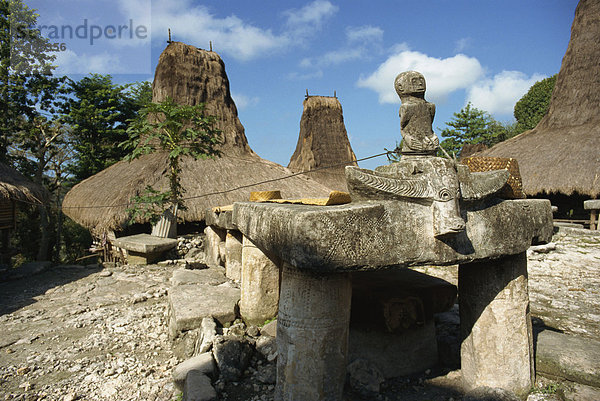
x=410 y=83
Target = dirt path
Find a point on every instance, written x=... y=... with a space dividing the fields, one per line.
x=86 y=334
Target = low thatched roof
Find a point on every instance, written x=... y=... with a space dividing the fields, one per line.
x=323 y=141
x=189 y=76
x=14 y=186
x=561 y=154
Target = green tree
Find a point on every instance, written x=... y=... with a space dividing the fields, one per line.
x=178 y=130
x=534 y=105
x=472 y=125
x=98 y=114
x=25 y=64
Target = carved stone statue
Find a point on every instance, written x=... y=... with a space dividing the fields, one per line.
x=416 y=115
x=420 y=176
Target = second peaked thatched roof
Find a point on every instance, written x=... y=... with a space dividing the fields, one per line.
x=323 y=142
x=14 y=186
x=189 y=76
x=561 y=154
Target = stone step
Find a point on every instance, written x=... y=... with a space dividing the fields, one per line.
x=569 y=357
x=196 y=294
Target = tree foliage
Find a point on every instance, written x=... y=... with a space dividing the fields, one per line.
x=533 y=106
x=178 y=130
x=471 y=125
x=98 y=113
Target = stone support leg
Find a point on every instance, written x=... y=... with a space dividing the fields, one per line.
x=259 y=296
x=497 y=347
x=212 y=243
x=233 y=250
x=312 y=335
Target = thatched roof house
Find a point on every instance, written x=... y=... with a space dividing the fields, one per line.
x=15 y=187
x=190 y=76
x=323 y=141
x=562 y=153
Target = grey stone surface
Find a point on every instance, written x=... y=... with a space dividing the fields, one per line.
x=221 y=219
x=497 y=350
x=395 y=354
x=211 y=276
x=213 y=238
x=364 y=377
x=438 y=182
x=490 y=394
x=591 y=204
x=259 y=284
x=145 y=243
x=269 y=329
x=198 y=387
x=233 y=251
x=581 y=392
x=208 y=333
x=568 y=357
x=368 y=235
x=189 y=304
x=203 y=363
x=232 y=354
x=312 y=335
x=416 y=114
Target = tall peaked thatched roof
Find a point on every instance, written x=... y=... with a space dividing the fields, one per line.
x=561 y=154
x=323 y=141
x=190 y=76
x=14 y=186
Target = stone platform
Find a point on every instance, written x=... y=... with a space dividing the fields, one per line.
x=320 y=246
x=144 y=248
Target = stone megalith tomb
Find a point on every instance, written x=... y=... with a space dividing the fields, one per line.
x=323 y=141
x=422 y=210
x=560 y=155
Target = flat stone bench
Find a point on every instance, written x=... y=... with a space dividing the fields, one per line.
x=144 y=248
x=593 y=205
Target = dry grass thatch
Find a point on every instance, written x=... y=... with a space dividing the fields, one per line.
x=323 y=141
x=14 y=186
x=189 y=76
x=561 y=153
x=121 y=181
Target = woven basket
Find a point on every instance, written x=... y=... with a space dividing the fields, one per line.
x=514 y=189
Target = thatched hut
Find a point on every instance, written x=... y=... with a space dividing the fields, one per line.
x=190 y=76
x=14 y=188
x=323 y=142
x=561 y=154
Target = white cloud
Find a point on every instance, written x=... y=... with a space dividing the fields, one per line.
x=69 y=62
x=196 y=25
x=310 y=16
x=499 y=94
x=462 y=44
x=364 y=34
x=242 y=101
x=443 y=76
x=360 y=43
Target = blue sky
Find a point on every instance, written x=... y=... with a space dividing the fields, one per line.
x=487 y=52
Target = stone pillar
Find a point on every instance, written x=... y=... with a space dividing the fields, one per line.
x=312 y=335
x=214 y=237
x=233 y=251
x=497 y=347
x=259 y=296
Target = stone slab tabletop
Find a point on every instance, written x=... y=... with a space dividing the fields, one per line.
x=221 y=218
x=145 y=243
x=591 y=204
x=376 y=234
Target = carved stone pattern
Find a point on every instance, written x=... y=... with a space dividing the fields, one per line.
x=364 y=243
x=401 y=187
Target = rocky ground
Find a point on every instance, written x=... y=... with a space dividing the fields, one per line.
x=86 y=333
x=100 y=333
